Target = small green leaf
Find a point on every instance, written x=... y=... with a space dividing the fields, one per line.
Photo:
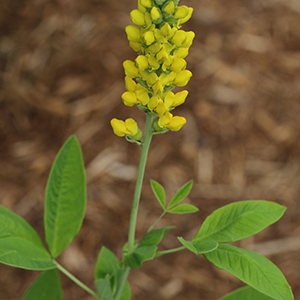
x=126 y=293
x=181 y=194
x=200 y=246
x=183 y=209
x=154 y=237
x=159 y=193
x=239 y=220
x=20 y=245
x=103 y=289
x=106 y=263
x=253 y=269
x=65 y=197
x=246 y=293
x=46 y=287
x=134 y=260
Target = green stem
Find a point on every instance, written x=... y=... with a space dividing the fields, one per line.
x=152 y=226
x=136 y=198
x=139 y=180
x=160 y=253
x=77 y=281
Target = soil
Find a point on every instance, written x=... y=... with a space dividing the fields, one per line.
x=61 y=74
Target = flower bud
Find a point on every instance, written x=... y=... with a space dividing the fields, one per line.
x=143 y=96
x=169 y=8
x=146 y=3
x=189 y=39
x=181 y=12
x=137 y=17
x=161 y=108
x=179 y=98
x=165 y=119
x=122 y=128
x=149 y=37
x=155 y=13
x=181 y=21
x=152 y=104
x=142 y=62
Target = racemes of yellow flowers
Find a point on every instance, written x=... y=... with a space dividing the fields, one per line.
x=159 y=66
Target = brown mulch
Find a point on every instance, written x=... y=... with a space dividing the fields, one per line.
x=61 y=74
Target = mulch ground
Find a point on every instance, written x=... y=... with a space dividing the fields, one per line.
x=61 y=74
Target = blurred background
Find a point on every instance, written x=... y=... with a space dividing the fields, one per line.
x=61 y=74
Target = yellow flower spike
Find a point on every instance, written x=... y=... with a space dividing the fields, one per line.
x=169 y=8
x=179 y=98
x=189 y=39
x=152 y=104
x=165 y=29
x=142 y=62
x=146 y=3
x=155 y=13
x=129 y=98
x=131 y=126
x=181 y=21
x=183 y=78
x=143 y=96
x=151 y=79
x=130 y=69
x=118 y=127
x=179 y=38
x=178 y=65
x=130 y=84
x=137 y=17
x=149 y=37
x=165 y=119
x=133 y=33
x=181 y=12
x=161 y=108
x=176 y=123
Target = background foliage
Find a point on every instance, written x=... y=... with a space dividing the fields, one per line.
x=61 y=73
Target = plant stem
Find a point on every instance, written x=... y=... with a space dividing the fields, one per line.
x=136 y=198
x=152 y=226
x=139 y=180
x=160 y=253
x=77 y=281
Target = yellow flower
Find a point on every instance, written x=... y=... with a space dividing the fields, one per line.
x=169 y=8
x=137 y=17
x=129 y=98
x=133 y=33
x=121 y=128
x=155 y=13
x=176 y=123
x=183 y=78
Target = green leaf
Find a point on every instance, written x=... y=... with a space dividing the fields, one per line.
x=181 y=194
x=199 y=246
x=253 y=269
x=65 y=197
x=159 y=193
x=239 y=220
x=103 y=289
x=134 y=260
x=20 y=245
x=46 y=287
x=246 y=293
x=106 y=263
x=183 y=209
x=154 y=237
x=126 y=293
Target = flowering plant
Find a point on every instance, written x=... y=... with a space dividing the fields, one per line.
x=159 y=67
